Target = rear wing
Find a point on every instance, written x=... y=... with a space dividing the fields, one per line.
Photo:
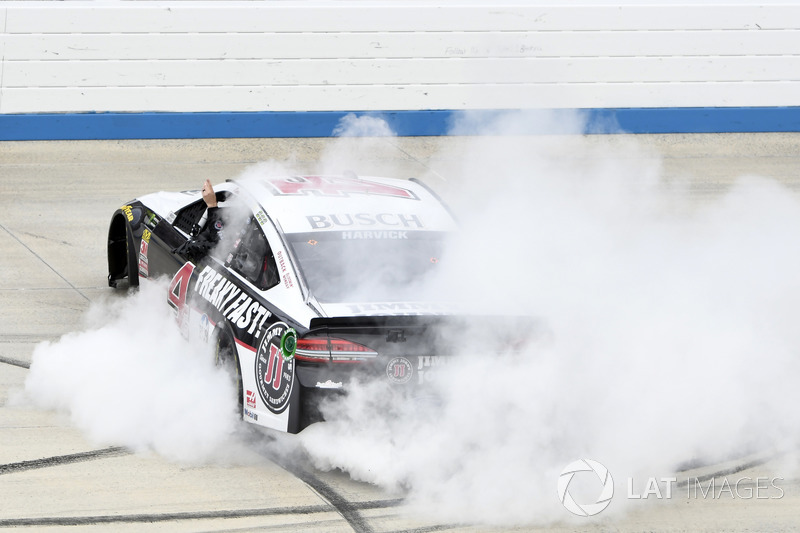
x=499 y=331
x=381 y=321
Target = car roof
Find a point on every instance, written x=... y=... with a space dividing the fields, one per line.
x=301 y=204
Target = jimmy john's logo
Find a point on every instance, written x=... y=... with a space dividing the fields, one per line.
x=274 y=374
x=399 y=370
x=235 y=305
x=338 y=186
x=399 y=220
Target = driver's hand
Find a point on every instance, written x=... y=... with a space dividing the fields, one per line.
x=208 y=194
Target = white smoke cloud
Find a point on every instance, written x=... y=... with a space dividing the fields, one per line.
x=670 y=333
x=352 y=125
x=130 y=379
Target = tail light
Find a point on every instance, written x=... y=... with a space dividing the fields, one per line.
x=332 y=349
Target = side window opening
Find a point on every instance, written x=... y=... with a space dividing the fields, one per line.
x=189 y=217
x=252 y=258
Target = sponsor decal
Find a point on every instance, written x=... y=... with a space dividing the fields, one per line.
x=151 y=219
x=274 y=374
x=251 y=399
x=364 y=220
x=286 y=276
x=399 y=370
x=229 y=299
x=261 y=217
x=250 y=414
x=204 y=327
x=426 y=361
x=427 y=365
x=374 y=235
x=337 y=186
x=397 y=309
x=144 y=267
x=329 y=385
x=128 y=212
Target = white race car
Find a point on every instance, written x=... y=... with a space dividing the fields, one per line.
x=313 y=280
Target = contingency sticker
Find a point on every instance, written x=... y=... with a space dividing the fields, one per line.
x=274 y=374
x=144 y=269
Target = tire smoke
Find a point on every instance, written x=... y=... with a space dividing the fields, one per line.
x=130 y=379
x=669 y=321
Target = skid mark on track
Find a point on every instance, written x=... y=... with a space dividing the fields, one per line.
x=178 y=516
x=731 y=470
x=297 y=463
x=15 y=362
x=163 y=517
x=58 y=460
x=347 y=509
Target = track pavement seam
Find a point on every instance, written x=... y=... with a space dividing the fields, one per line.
x=48 y=265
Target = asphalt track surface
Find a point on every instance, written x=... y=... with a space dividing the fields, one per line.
x=55 y=202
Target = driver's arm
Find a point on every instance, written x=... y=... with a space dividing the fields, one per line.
x=204 y=241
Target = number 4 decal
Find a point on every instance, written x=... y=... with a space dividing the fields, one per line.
x=179 y=287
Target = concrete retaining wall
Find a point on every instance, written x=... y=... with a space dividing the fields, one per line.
x=396 y=56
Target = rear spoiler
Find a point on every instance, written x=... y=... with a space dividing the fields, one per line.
x=510 y=326
x=382 y=321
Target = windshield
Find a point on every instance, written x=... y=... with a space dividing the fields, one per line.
x=367 y=266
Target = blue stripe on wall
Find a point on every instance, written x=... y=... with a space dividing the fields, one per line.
x=80 y=126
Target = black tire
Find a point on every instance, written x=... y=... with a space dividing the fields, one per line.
x=123 y=256
x=225 y=356
x=133 y=259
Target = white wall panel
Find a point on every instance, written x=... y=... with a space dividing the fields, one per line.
x=359 y=72
x=393 y=97
x=392 y=55
x=350 y=45
x=409 y=16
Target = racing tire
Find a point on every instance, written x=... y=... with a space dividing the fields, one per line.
x=225 y=356
x=123 y=260
x=133 y=259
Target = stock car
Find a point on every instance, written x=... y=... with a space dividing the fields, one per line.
x=311 y=284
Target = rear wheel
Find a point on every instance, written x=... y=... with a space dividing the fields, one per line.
x=225 y=356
